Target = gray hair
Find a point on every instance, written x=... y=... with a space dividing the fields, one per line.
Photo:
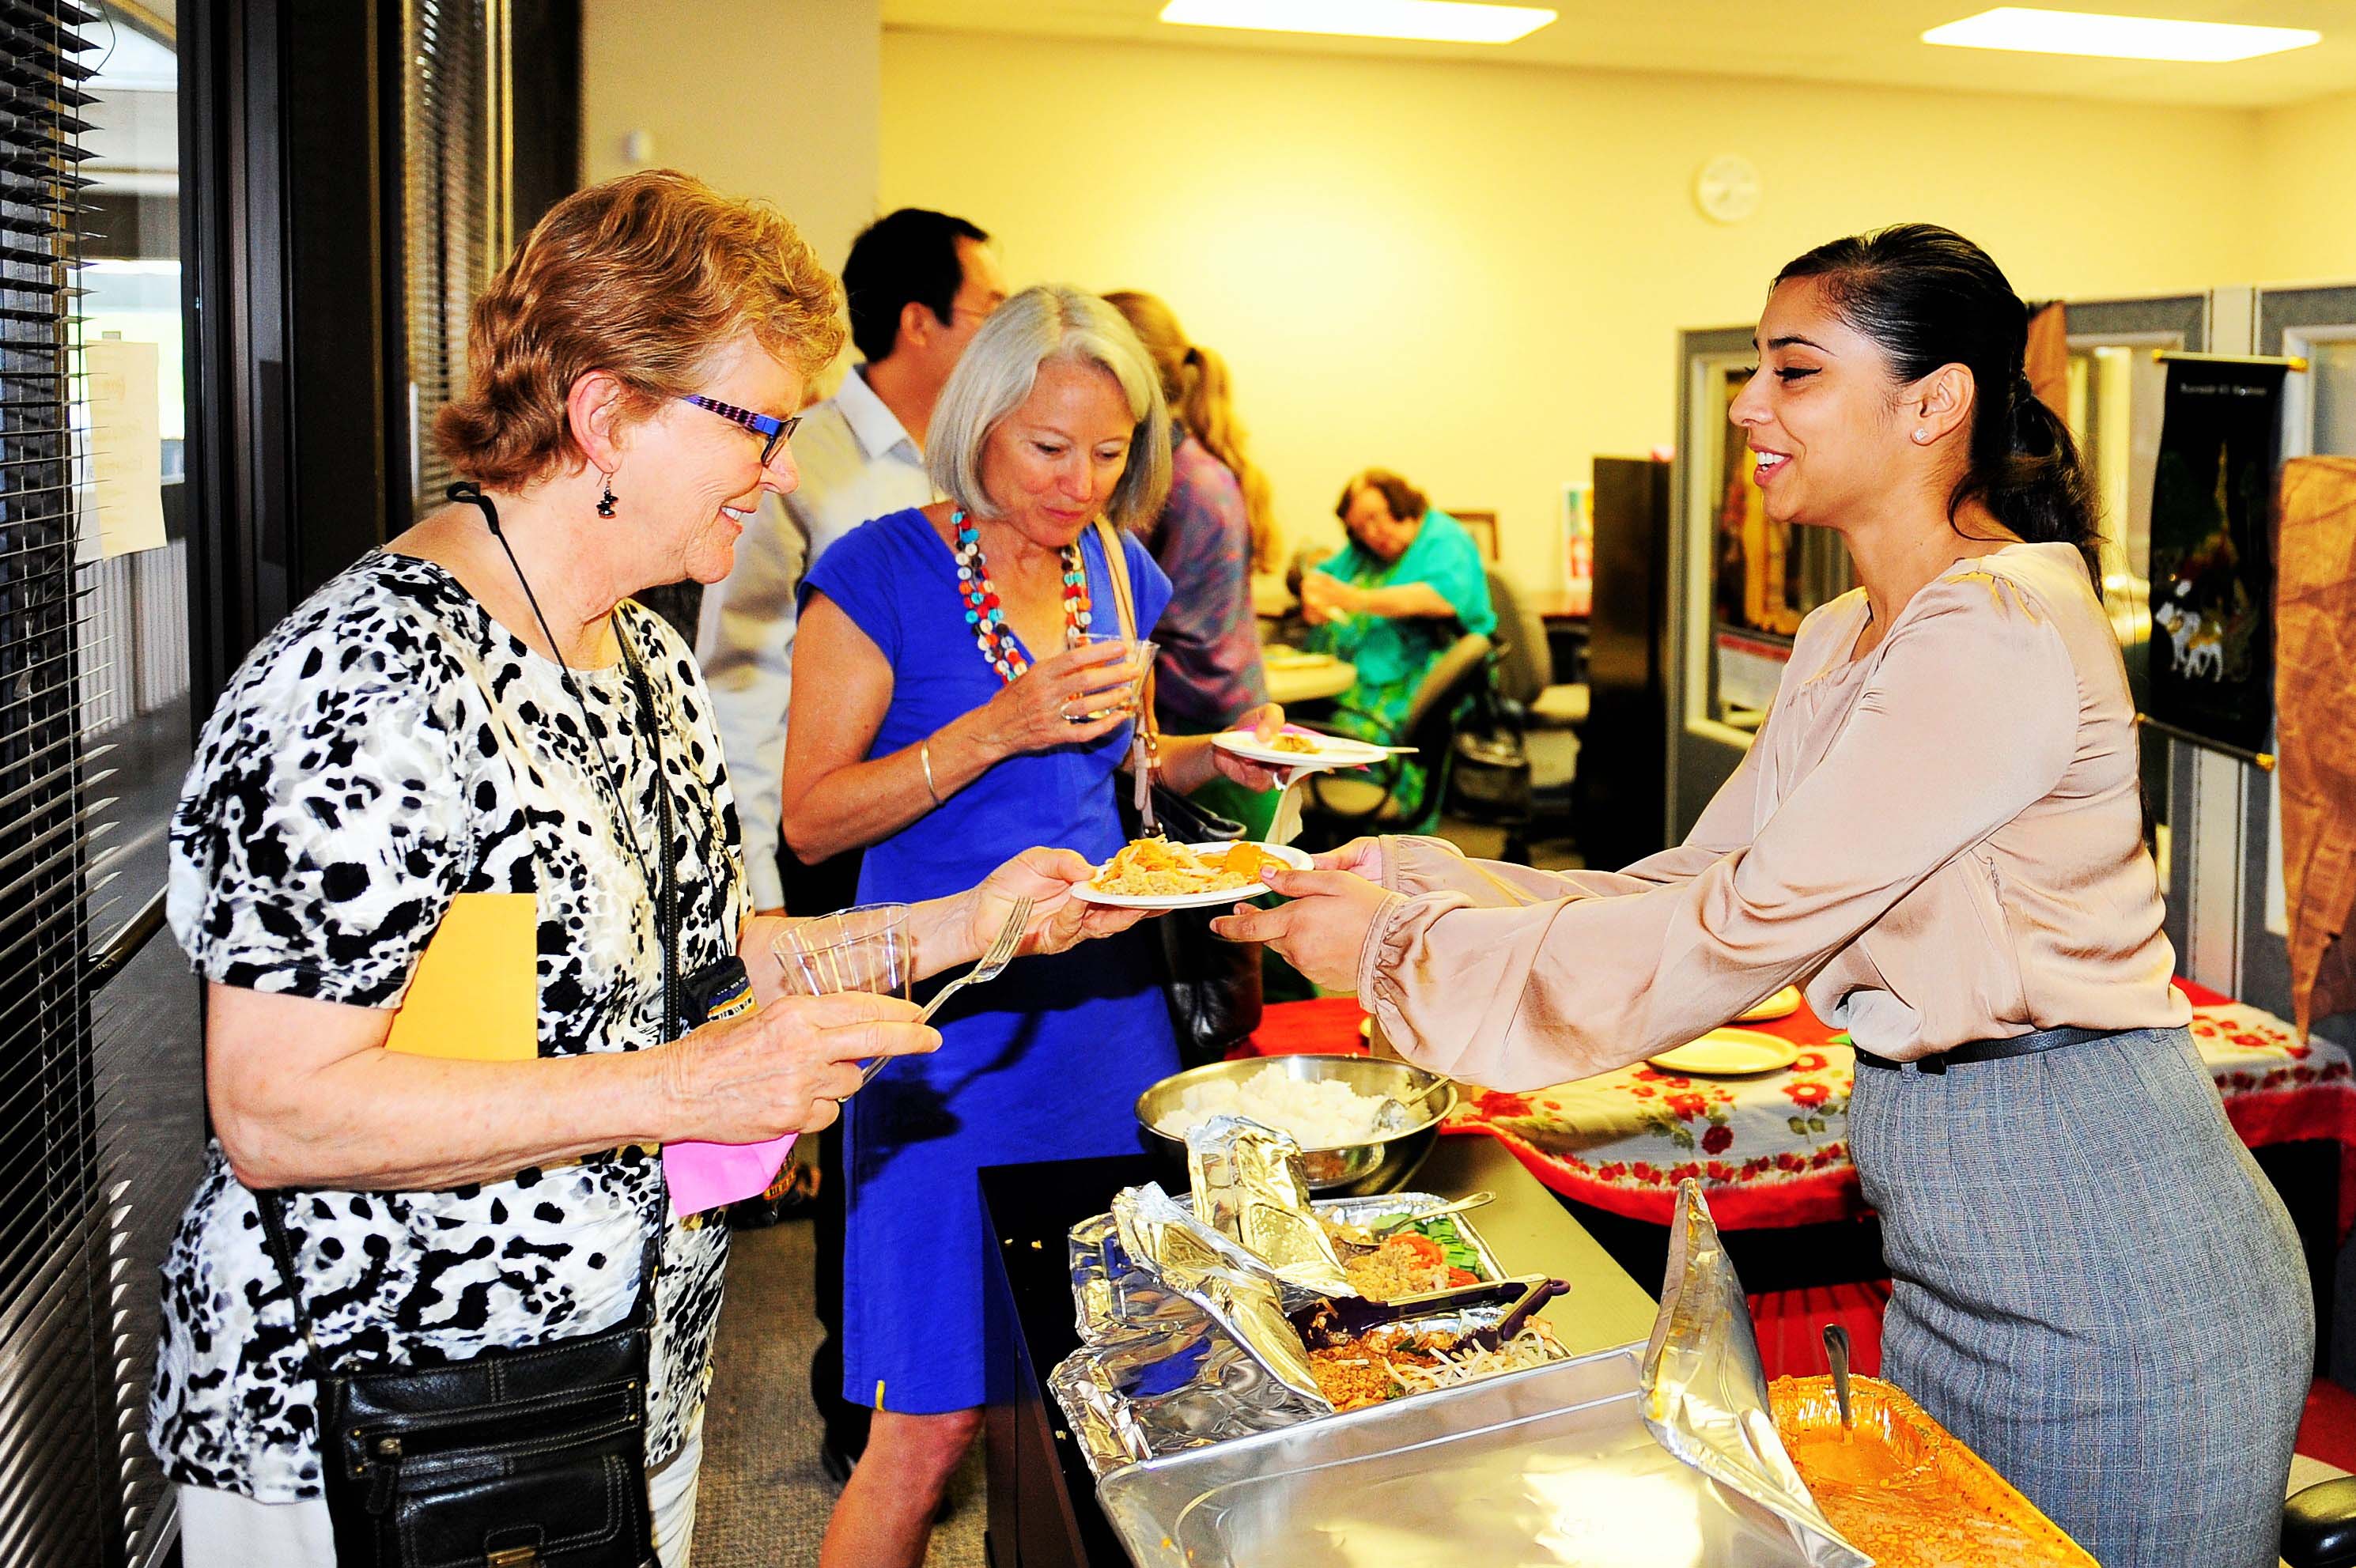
x=996 y=373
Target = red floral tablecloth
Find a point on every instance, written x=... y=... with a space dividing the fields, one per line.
x=1774 y=1150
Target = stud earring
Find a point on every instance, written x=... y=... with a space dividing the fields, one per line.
x=606 y=501
x=1919 y=437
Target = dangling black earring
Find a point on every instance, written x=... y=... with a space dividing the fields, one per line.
x=606 y=501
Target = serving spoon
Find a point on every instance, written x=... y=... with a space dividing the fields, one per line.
x=1396 y=1115
x=1836 y=1353
x=1348 y=1235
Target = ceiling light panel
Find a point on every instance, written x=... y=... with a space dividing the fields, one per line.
x=2117 y=38
x=1443 y=21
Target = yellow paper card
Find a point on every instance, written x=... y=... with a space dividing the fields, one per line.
x=476 y=995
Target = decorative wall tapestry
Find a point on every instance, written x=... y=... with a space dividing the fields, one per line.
x=2213 y=566
x=2315 y=695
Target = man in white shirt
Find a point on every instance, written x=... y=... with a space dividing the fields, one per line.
x=919 y=285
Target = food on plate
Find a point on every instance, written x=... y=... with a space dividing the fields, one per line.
x=1387 y=1363
x=1155 y=868
x=1292 y=740
x=1409 y=1263
x=1317 y=1113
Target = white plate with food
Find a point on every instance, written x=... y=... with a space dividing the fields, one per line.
x=1154 y=873
x=1293 y=658
x=1781 y=1005
x=1297 y=748
x=1730 y=1053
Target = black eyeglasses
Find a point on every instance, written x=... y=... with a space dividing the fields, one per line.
x=774 y=430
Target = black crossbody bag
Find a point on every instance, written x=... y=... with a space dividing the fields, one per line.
x=530 y=1456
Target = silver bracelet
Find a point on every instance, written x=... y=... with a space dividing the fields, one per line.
x=925 y=756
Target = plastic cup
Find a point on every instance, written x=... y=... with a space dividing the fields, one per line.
x=1136 y=650
x=860 y=949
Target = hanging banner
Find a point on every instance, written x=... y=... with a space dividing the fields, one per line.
x=2212 y=567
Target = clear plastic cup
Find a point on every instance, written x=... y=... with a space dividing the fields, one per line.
x=1138 y=652
x=860 y=949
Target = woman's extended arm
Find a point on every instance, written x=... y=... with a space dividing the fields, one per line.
x=304 y=1093
x=1187 y=762
x=958 y=929
x=1971 y=719
x=1398 y=600
x=1415 y=865
x=837 y=798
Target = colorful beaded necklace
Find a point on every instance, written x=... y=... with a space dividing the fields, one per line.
x=992 y=635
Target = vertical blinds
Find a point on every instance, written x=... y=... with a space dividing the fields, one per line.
x=54 y=1447
x=454 y=131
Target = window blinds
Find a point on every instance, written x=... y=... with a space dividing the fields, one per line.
x=55 y=1453
x=455 y=164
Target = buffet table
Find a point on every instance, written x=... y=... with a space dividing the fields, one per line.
x=1041 y=1499
x=1309 y=678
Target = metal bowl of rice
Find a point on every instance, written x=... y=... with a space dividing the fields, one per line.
x=1311 y=1097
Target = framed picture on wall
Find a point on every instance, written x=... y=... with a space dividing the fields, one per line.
x=1483 y=527
x=2213 y=579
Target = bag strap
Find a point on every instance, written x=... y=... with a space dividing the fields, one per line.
x=667 y=908
x=1145 y=750
x=272 y=1205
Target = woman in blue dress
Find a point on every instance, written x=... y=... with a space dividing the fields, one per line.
x=942 y=677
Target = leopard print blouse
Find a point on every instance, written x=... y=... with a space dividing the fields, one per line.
x=387 y=747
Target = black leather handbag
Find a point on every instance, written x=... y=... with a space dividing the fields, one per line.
x=1213 y=986
x=532 y=1455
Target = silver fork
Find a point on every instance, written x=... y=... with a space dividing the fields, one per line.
x=994 y=964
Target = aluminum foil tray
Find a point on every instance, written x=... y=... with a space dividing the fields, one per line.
x=1657 y=1454
x=1905 y=1490
x=1358 y=1210
x=1550 y=1466
x=1154 y=1375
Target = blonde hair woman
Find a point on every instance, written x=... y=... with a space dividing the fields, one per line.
x=1211 y=534
x=1200 y=393
x=941 y=673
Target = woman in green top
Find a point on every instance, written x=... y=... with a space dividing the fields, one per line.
x=1407 y=585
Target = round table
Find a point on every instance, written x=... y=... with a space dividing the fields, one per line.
x=1294 y=684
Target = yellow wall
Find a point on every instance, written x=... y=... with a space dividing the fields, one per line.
x=1475 y=274
x=762 y=99
x=2307 y=186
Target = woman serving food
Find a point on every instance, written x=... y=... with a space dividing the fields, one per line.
x=1938 y=829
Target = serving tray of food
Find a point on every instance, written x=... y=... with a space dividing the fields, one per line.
x=1551 y=1465
x=1245 y=1305
x=1900 y=1486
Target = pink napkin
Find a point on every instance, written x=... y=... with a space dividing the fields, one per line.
x=705 y=1176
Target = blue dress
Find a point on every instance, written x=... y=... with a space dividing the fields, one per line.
x=1046 y=1062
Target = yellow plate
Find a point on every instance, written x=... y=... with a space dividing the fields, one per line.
x=1730 y=1053
x=1781 y=1005
x=1288 y=659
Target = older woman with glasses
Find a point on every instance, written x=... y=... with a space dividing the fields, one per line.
x=476 y=714
x=947 y=699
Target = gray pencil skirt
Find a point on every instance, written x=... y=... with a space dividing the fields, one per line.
x=2093 y=1285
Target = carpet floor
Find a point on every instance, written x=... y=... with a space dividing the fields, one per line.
x=764 y=1500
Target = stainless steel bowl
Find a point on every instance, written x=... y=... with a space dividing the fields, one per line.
x=1353 y=1170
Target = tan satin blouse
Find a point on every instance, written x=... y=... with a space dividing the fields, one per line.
x=1941 y=839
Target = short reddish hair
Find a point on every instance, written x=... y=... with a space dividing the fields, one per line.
x=644 y=277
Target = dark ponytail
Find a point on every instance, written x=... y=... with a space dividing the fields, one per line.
x=1930 y=297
